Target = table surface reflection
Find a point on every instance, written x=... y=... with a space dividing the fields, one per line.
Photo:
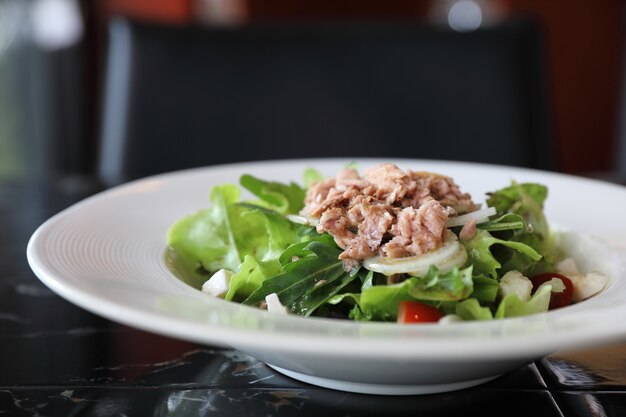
x=59 y=360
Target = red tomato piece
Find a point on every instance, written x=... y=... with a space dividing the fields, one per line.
x=557 y=299
x=416 y=312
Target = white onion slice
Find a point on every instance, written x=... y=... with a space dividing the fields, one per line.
x=481 y=216
x=308 y=220
x=451 y=254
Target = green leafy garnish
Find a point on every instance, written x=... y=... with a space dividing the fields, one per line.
x=250 y=277
x=268 y=254
x=311 y=176
x=224 y=234
x=513 y=306
x=302 y=276
x=483 y=260
x=285 y=199
x=471 y=309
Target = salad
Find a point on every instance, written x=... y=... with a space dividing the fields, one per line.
x=388 y=245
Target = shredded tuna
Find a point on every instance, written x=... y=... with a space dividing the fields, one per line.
x=445 y=190
x=387 y=211
x=372 y=222
x=417 y=230
x=468 y=231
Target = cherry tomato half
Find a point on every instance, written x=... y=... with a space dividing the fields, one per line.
x=416 y=312
x=557 y=299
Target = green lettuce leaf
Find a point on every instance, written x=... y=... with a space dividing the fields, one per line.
x=452 y=286
x=517 y=198
x=285 y=199
x=471 y=309
x=311 y=176
x=483 y=260
x=250 y=277
x=206 y=236
x=525 y=200
x=380 y=302
x=513 y=306
x=261 y=232
x=485 y=289
x=509 y=306
x=224 y=234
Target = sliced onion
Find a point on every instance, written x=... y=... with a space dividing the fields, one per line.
x=308 y=220
x=481 y=216
x=451 y=254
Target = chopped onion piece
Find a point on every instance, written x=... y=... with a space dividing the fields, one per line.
x=308 y=220
x=274 y=305
x=556 y=284
x=218 y=284
x=481 y=216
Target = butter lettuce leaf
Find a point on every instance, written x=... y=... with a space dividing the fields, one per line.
x=250 y=277
x=206 y=237
x=510 y=306
x=283 y=198
x=224 y=234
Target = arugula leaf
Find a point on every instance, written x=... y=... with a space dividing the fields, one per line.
x=285 y=199
x=508 y=221
x=300 y=249
x=352 y=297
x=319 y=295
x=302 y=275
x=367 y=280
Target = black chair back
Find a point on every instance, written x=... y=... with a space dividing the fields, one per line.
x=184 y=97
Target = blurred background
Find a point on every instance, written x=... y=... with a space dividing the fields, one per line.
x=80 y=79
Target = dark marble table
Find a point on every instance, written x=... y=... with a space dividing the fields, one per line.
x=59 y=360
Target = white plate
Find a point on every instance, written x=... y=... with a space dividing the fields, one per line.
x=106 y=254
